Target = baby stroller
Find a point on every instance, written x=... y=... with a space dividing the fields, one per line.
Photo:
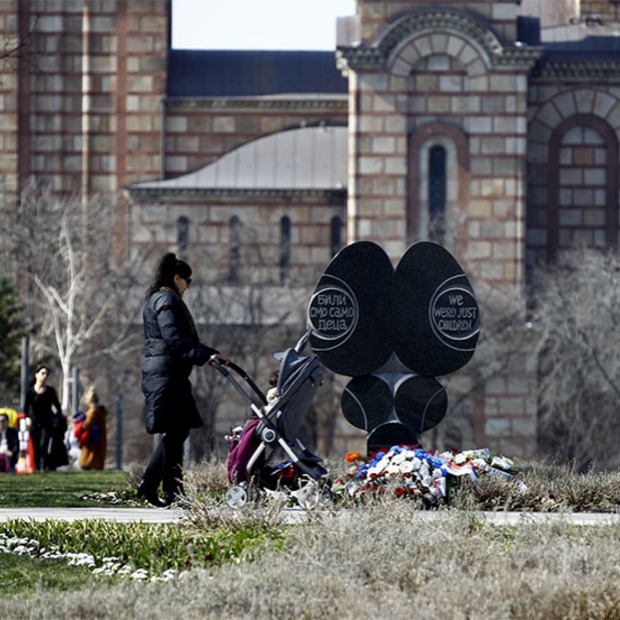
x=253 y=470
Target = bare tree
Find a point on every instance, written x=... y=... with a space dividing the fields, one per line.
x=576 y=316
x=81 y=304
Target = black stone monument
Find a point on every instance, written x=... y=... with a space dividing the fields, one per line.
x=394 y=331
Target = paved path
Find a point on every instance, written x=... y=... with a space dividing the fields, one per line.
x=293 y=516
x=151 y=515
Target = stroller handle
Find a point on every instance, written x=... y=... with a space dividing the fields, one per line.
x=222 y=368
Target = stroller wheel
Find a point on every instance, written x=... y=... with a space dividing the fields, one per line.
x=236 y=497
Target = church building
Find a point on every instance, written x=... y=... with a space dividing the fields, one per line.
x=489 y=126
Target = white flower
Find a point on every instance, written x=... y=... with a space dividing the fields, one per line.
x=111 y=560
x=392 y=469
x=80 y=559
x=141 y=573
x=501 y=462
x=406 y=467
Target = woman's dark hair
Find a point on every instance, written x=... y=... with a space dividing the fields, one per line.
x=168 y=267
x=37 y=368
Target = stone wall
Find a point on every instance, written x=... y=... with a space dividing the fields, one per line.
x=260 y=242
x=9 y=102
x=85 y=101
x=200 y=131
x=440 y=78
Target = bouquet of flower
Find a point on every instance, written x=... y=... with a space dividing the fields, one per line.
x=413 y=472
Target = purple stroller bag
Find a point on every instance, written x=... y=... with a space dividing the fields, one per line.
x=241 y=452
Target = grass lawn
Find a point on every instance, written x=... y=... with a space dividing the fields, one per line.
x=50 y=489
x=23 y=575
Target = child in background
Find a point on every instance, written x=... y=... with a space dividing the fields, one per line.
x=94 y=444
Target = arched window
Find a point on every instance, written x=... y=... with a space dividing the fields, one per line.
x=285 y=248
x=182 y=236
x=583 y=186
x=437 y=193
x=234 y=248
x=336 y=235
x=438 y=181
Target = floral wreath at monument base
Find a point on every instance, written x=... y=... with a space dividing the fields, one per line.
x=410 y=471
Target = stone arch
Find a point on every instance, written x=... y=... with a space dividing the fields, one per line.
x=584 y=101
x=455 y=26
x=455 y=142
x=448 y=20
x=593 y=109
x=424 y=44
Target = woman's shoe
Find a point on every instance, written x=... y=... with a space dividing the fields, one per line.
x=150 y=495
x=174 y=498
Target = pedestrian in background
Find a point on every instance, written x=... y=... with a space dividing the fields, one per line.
x=41 y=406
x=93 y=437
x=171 y=349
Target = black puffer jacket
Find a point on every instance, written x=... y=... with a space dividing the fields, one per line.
x=171 y=349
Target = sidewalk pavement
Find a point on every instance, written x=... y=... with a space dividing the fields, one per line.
x=150 y=515
x=298 y=516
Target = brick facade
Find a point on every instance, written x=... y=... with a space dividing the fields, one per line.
x=82 y=104
x=199 y=131
x=528 y=143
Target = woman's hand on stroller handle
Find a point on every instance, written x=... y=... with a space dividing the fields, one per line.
x=219 y=359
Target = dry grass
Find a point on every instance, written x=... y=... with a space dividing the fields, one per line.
x=549 y=489
x=382 y=559
x=386 y=558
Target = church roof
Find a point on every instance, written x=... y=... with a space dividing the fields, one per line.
x=225 y=73
x=302 y=159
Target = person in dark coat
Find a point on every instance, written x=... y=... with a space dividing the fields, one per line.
x=171 y=350
x=43 y=410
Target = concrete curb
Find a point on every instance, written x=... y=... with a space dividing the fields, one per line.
x=297 y=516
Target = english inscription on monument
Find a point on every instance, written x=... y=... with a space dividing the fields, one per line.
x=454 y=314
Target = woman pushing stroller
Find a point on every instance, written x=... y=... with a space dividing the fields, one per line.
x=171 y=349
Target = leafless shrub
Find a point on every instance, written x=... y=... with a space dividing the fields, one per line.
x=575 y=317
